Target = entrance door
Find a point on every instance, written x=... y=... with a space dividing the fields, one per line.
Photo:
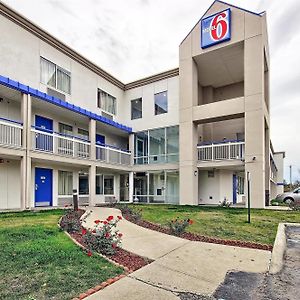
x=43 y=187
x=234 y=186
x=100 y=139
x=124 y=187
x=44 y=141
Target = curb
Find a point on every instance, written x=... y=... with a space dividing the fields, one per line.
x=279 y=248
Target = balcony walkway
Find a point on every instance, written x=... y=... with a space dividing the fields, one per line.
x=180 y=265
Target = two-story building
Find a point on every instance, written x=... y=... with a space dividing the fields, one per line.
x=191 y=135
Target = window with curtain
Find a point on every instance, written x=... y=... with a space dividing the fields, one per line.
x=83 y=133
x=83 y=184
x=106 y=102
x=55 y=76
x=65 y=129
x=65 y=183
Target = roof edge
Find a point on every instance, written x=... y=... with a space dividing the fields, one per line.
x=42 y=34
x=152 y=78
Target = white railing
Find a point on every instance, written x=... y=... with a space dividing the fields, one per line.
x=111 y=155
x=156 y=159
x=59 y=144
x=221 y=151
x=10 y=133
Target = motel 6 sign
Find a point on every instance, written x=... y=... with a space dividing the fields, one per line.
x=216 y=29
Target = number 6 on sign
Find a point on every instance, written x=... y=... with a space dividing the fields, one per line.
x=216 y=28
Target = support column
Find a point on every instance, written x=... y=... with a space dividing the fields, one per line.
x=188 y=136
x=92 y=137
x=131 y=186
x=29 y=184
x=92 y=184
x=131 y=148
x=255 y=119
x=23 y=182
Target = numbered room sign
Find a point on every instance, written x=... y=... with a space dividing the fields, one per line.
x=216 y=29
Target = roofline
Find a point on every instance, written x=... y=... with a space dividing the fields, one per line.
x=152 y=78
x=22 y=21
x=245 y=10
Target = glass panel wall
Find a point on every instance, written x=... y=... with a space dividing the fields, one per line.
x=83 y=184
x=157 y=146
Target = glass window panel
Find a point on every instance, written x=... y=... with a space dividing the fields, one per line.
x=99 y=184
x=83 y=184
x=157 y=145
x=141 y=147
x=63 y=80
x=172 y=188
x=65 y=129
x=173 y=143
x=48 y=72
x=136 y=109
x=108 y=184
x=161 y=103
x=83 y=133
x=65 y=183
x=106 y=102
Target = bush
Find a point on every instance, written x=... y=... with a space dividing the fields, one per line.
x=177 y=227
x=295 y=205
x=104 y=237
x=224 y=203
x=132 y=213
x=70 y=221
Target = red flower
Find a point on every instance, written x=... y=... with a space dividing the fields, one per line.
x=110 y=218
x=66 y=205
x=97 y=221
x=107 y=235
x=120 y=234
x=191 y=222
x=114 y=245
x=83 y=231
x=105 y=222
x=119 y=217
x=94 y=231
x=89 y=253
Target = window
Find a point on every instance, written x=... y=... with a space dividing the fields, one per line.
x=84 y=134
x=65 y=129
x=161 y=103
x=106 y=102
x=55 y=76
x=83 y=184
x=136 y=109
x=157 y=145
x=65 y=183
x=104 y=184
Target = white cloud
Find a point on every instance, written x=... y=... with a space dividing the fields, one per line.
x=136 y=38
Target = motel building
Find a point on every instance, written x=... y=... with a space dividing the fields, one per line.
x=191 y=135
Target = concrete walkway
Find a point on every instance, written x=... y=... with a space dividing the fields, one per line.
x=180 y=265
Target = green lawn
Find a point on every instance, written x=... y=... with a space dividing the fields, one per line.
x=38 y=261
x=226 y=223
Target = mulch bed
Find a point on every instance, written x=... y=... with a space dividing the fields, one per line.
x=199 y=238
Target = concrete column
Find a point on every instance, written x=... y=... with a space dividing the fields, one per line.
x=188 y=136
x=24 y=116
x=23 y=181
x=92 y=184
x=131 y=186
x=131 y=148
x=29 y=113
x=255 y=119
x=92 y=136
x=29 y=183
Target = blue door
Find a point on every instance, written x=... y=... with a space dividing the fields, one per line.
x=234 y=186
x=43 y=187
x=44 y=141
x=100 y=139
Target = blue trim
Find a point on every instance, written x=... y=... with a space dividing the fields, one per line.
x=61 y=134
x=280 y=183
x=50 y=99
x=11 y=121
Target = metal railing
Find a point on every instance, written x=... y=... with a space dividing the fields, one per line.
x=111 y=155
x=56 y=143
x=221 y=151
x=10 y=133
x=156 y=159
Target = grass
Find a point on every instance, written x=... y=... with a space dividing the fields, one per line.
x=38 y=261
x=225 y=223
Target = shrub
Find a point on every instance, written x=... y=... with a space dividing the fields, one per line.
x=104 y=237
x=295 y=205
x=132 y=213
x=70 y=221
x=224 y=203
x=177 y=227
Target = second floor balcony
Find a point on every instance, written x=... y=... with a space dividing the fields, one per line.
x=220 y=151
x=10 y=133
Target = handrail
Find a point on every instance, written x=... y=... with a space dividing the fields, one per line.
x=220 y=142
x=11 y=121
x=114 y=148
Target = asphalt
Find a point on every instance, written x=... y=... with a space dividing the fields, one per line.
x=181 y=269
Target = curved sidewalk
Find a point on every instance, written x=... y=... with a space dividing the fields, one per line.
x=180 y=265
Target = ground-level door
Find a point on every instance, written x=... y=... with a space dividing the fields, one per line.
x=43 y=187
x=124 y=187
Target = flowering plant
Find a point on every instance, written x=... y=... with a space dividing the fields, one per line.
x=177 y=226
x=103 y=237
x=70 y=222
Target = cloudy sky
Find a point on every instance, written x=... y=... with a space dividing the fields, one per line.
x=136 y=38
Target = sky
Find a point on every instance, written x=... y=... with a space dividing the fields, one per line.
x=133 y=39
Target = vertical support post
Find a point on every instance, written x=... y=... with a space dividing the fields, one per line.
x=92 y=184
x=131 y=182
x=92 y=137
x=249 y=201
x=131 y=148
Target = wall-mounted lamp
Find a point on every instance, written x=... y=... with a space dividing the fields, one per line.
x=196 y=173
